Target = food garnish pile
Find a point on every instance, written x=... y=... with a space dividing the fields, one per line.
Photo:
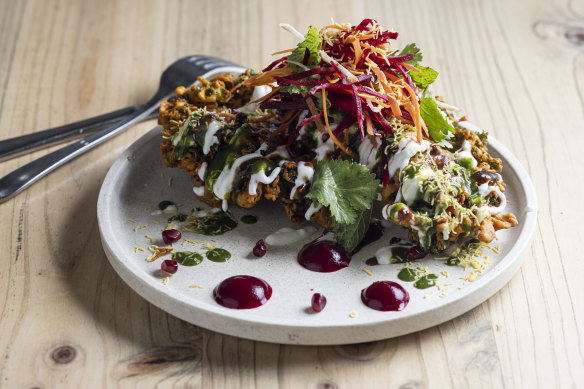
x=333 y=125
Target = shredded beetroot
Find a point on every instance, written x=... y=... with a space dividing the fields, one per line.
x=287 y=81
x=274 y=64
x=347 y=93
x=311 y=72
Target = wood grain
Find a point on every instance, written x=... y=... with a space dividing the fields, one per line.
x=66 y=318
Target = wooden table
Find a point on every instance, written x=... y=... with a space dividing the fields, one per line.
x=68 y=320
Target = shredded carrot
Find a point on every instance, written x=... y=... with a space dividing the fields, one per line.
x=333 y=26
x=283 y=51
x=395 y=110
x=374 y=99
x=411 y=67
x=263 y=118
x=416 y=116
x=264 y=77
x=328 y=127
x=357 y=47
x=331 y=80
x=274 y=91
x=369 y=124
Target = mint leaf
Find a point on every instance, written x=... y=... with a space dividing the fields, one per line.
x=425 y=77
x=438 y=127
x=346 y=188
x=187 y=258
x=312 y=42
x=350 y=235
x=412 y=49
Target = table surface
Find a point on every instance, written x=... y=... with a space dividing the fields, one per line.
x=67 y=319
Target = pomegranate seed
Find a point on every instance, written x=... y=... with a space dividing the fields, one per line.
x=171 y=236
x=169 y=266
x=416 y=252
x=318 y=302
x=259 y=250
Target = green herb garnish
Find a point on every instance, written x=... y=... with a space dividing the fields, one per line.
x=425 y=77
x=348 y=190
x=438 y=127
x=311 y=43
x=415 y=51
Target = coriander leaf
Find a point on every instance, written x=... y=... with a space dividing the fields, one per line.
x=187 y=258
x=438 y=127
x=425 y=77
x=412 y=49
x=350 y=235
x=344 y=187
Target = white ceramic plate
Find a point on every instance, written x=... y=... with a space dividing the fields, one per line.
x=138 y=181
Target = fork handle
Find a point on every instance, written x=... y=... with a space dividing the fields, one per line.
x=25 y=176
x=13 y=147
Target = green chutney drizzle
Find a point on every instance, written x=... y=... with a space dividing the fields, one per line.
x=218 y=255
x=422 y=281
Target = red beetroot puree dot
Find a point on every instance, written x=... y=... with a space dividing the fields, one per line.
x=385 y=296
x=242 y=292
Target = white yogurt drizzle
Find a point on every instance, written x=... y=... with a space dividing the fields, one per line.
x=202 y=171
x=324 y=149
x=304 y=175
x=210 y=138
x=224 y=182
x=383 y=255
x=285 y=236
x=258 y=92
x=367 y=153
x=465 y=152
x=411 y=186
x=199 y=190
x=407 y=148
x=485 y=190
x=260 y=176
x=312 y=210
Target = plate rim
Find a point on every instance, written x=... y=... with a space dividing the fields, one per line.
x=207 y=317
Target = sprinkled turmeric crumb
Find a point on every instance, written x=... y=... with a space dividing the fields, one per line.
x=192 y=241
x=214 y=240
x=155 y=222
x=150 y=238
x=367 y=271
x=209 y=246
x=445 y=273
x=132 y=221
x=353 y=314
x=138 y=248
x=197 y=286
x=165 y=282
x=170 y=181
x=428 y=294
x=443 y=294
x=140 y=227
